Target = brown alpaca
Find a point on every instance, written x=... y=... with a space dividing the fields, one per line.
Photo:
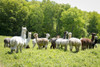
x=87 y=43
x=42 y=42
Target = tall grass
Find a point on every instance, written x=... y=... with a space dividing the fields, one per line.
x=34 y=57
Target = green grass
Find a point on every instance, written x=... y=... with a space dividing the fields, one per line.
x=34 y=57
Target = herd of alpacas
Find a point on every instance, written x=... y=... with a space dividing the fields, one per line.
x=16 y=43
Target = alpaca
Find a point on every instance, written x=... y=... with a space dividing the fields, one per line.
x=42 y=42
x=18 y=41
x=53 y=42
x=87 y=43
x=62 y=42
x=27 y=40
x=34 y=40
x=74 y=42
x=94 y=43
x=6 y=42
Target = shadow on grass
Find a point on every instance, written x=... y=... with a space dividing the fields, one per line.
x=8 y=52
x=74 y=51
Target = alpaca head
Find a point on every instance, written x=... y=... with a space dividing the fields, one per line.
x=58 y=36
x=69 y=35
x=35 y=35
x=66 y=32
x=93 y=34
x=23 y=33
x=47 y=35
x=29 y=34
x=24 y=29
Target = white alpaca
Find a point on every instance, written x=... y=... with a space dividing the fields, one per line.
x=27 y=40
x=62 y=42
x=17 y=42
x=42 y=42
x=74 y=42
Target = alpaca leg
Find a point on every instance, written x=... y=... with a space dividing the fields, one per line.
x=17 y=49
x=71 y=47
x=21 y=49
x=54 y=45
x=51 y=46
x=38 y=46
x=82 y=48
x=57 y=46
x=77 y=48
x=65 y=47
x=11 y=50
x=33 y=45
x=45 y=46
x=90 y=46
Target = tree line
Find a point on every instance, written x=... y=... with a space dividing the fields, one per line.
x=46 y=17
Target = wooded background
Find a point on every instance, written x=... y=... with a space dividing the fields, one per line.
x=46 y=17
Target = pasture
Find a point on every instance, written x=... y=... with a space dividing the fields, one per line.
x=34 y=57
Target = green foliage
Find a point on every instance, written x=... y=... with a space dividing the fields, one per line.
x=46 y=17
x=94 y=20
x=13 y=14
x=73 y=21
x=34 y=57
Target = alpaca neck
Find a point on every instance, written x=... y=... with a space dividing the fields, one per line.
x=29 y=38
x=92 y=38
x=23 y=36
x=64 y=36
x=95 y=41
x=36 y=39
x=27 y=41
x=69 y=36
x=47 y=37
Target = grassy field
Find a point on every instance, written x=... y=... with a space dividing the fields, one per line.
x=34 y=57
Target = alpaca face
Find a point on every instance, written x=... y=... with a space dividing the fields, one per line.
x=93 y=34
x=66 y=32
x=70 y=34
x=58 y=36
x=47 y=35
x=24 y=29
x=35 y=35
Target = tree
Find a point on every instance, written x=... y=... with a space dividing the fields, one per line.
x=73 y=21
x=93 y=22
x=13 y=14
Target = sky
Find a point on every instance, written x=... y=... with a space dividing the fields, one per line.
x=85 y=5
